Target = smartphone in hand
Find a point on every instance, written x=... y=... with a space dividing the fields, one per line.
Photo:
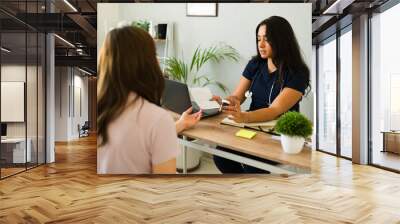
x=224 y=103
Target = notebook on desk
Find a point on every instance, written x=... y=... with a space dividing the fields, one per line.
x=267 y=126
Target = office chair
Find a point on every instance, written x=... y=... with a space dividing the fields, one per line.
x=84 y=130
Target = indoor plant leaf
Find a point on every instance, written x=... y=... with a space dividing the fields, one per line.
x=181 y=71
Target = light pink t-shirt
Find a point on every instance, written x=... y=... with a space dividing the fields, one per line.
x=143 y=135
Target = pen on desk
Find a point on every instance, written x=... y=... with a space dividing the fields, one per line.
x=258 y=128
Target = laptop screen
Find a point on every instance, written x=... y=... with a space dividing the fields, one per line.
x=176 y=96
x=3 y=129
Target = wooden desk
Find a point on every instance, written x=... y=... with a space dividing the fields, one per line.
x=14 y=152
x=262 y=145
x=391 y=141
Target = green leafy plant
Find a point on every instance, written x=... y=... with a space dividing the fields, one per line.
x=144 y=24
x=179 y=70
x=294 y=124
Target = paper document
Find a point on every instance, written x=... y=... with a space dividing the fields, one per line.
x=269 y=124
x=202 y=96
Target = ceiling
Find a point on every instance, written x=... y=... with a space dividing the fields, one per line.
x=77 y=23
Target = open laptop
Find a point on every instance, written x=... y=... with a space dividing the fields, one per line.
x=176 y=97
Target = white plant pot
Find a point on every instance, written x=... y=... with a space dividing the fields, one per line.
x=292 y=144
x=192 y=159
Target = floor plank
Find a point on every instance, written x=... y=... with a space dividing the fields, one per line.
x=70 y=191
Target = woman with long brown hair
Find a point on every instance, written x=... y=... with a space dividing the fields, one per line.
x=135 y=135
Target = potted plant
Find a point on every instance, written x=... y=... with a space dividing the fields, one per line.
x=179 y=70
x=294 y=128
x=144 y=24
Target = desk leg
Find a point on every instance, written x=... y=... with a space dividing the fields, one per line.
x=384 y=143
x=184 y=154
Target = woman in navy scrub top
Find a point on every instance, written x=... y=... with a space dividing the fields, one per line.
x=276 y=80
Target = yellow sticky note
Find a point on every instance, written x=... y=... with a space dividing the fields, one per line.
x=246 y=133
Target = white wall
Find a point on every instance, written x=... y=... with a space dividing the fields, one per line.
x=107 y=17
x=235 y=25
x=12 y=73
x=61 y=103
x=67 y=116
x=80 y=102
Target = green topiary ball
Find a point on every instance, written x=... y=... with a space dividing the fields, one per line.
x=294 y=124
x=143 y=24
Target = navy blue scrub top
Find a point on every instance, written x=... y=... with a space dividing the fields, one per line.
x=263 y=84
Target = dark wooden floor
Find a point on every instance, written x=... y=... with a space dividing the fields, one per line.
x=70 y=191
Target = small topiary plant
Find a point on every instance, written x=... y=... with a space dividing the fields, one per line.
x=294 y=124
x=143 y=24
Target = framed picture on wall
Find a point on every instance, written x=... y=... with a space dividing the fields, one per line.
x=202 y=9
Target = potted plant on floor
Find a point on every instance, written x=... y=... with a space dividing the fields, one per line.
x=294 y=128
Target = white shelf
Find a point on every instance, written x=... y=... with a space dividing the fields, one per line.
x=164 y=47
x=160 y=40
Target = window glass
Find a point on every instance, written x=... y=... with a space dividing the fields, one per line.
x=385 y=84
x=327 y=97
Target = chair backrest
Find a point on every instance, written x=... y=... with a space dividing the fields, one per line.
x=86 y=125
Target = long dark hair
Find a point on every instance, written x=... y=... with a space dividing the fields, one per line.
x=286 y=53
x=127 y=64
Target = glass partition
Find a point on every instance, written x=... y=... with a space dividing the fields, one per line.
x=385 y=89
x=327 y=96
x=31 y=100
x=41 y=91
x=346 y=93
x=22 y=67
x=14 y=153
